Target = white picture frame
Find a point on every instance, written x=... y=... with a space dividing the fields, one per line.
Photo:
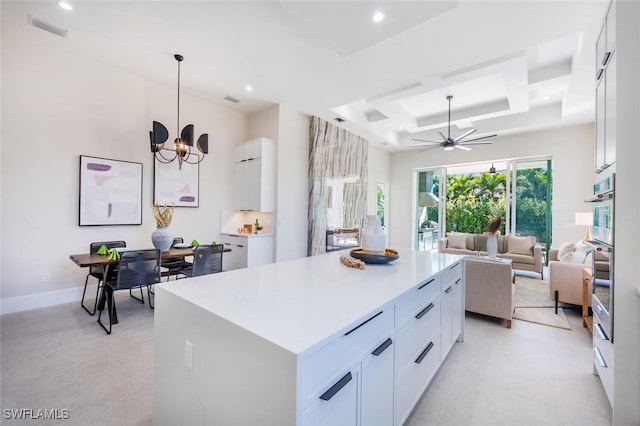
x=175 y=184
x=110 y=192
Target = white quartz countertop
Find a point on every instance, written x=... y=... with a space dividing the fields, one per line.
x=299 y=303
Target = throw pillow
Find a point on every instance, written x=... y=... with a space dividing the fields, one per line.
x=481 y=242
x=566 y=248
x=574 y=257
x=520 y=245
x=457 y=240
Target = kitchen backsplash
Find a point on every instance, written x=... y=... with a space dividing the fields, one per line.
x=232 y=222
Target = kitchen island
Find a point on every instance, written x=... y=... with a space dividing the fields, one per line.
x=305 y=342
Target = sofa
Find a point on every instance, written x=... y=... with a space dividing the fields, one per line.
x=524 y=252
x=489 y=288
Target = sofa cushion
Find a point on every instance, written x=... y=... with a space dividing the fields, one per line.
x=520 y=245
x=578 y=256
x=457 y=240
x=481 y=242
x=566 y=248
x=518 y=258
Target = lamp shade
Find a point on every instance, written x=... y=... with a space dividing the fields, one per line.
x=584 y=218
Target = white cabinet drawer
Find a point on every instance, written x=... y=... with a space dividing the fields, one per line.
x=337 y=405
x=410 y=303
x=414 y=380
x=450 y=275
x=321 y=367
x=411 y=338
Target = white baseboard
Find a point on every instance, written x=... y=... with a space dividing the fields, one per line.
x=42 y=300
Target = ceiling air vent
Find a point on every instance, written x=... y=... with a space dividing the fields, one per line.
x=38 y=23
x=231 y=99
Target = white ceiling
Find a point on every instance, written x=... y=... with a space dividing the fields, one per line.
x=511 y=66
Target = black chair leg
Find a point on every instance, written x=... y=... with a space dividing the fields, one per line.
x=110 y=305
x=139 y=299
x=556 y=302
x=95 y=302
x=149 y=293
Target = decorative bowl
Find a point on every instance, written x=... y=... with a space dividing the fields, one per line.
x=389 y=256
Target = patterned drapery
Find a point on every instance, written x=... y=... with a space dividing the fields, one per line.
x=337 y=181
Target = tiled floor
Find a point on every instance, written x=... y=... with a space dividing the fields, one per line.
x=59 y=358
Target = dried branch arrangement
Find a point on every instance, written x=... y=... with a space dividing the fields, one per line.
x=163 y=214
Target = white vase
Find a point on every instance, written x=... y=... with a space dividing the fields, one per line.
x=374 y=240
x=162 y=238
x=492 y=246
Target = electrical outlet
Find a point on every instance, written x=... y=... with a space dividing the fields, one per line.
x=46 y=277
x=188 y=354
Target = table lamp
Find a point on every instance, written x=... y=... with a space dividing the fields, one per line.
x=585 y=219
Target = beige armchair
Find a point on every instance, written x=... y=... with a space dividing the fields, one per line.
x=489 y=288
x=565 y=280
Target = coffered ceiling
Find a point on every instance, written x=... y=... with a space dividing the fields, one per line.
x=511 y=66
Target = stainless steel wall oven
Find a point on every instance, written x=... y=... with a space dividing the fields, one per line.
x=603 y=245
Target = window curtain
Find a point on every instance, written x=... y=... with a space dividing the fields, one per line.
x=338 y=169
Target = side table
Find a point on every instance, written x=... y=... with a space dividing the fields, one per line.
x=587 y=320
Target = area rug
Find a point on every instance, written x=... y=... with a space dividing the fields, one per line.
x=534 y=304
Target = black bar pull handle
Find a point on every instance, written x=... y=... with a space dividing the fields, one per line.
x=383 y=347
x=363 y=323
x=426 y=284
x=337 y=387
x=424 y=353
x=424 y=311
x=454 y=266
x=449 y=290
x=458 y=281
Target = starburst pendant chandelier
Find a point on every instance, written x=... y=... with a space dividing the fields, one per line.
x=183 y=143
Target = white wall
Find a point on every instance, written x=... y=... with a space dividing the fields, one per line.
x=572 y=152
x=290 y=129
x=57 y=106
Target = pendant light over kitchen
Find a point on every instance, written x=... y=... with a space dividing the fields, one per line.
x=184 y=140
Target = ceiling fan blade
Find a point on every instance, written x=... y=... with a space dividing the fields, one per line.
x=458 y=139
x=426 y=141
x=444 y=138
x=428 y=149
x=462 y=147
x=475 y=143
x=480 y=138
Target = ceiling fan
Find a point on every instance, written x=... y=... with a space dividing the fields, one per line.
x=448 y=143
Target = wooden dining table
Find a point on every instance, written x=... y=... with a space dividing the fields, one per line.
x=86 y=260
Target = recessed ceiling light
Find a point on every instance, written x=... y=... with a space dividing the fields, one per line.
x=378 y=17
x=65 y=5
x=546 y=98
x=248 y=88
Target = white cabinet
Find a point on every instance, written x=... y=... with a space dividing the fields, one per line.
x=605 y=149
x=246 y=251
x=337 y=406
x=254 y=176
x=451 y=307
x=377 y=382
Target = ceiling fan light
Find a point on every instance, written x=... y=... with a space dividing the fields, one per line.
x=448 y=148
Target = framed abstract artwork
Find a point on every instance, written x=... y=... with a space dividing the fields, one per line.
x=110 y=192
x=175 y=184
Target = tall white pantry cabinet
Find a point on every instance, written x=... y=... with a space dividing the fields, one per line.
x=254 y=176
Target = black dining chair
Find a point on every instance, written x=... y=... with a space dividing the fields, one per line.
x=207 y=259
x=175 y=265
x=97 y=272
x=136 y=268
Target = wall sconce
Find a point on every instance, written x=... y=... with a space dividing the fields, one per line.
x=183 y=142
x=492 y=170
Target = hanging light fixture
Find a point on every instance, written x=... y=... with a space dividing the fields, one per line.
x=492 y=170
x=183 y=142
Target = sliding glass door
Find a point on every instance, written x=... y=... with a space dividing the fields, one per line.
x=465 y=198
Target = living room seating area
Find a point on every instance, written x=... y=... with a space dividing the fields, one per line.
x=524 y=251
